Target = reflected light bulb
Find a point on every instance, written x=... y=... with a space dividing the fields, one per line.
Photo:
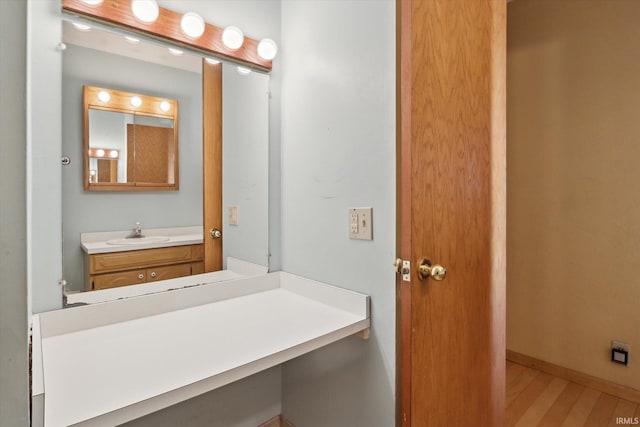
x=244 y=71
x=92 y=2
x=267 y=49
x=104 y=96
x=81 y=27
x=175 y=52
x=232 y=37
x=132 y=40
x=136 y=101
x=113 y=154
x=212 y=61
x=145 y=10
x=165 y=106
x=100 y=152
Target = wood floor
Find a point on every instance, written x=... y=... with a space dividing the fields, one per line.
x=535 y=398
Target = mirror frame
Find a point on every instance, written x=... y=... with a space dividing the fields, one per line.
x=119 y=102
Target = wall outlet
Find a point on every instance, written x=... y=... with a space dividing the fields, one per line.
x=620 y=352
x=233 y=215
x=361 y=223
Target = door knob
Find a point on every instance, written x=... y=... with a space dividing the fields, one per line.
x=425 y=270
x=214 y=233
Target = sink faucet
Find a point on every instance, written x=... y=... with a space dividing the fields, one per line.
x=136 y=233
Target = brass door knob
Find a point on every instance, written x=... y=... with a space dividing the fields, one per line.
x=214 y=233
x=425 y=270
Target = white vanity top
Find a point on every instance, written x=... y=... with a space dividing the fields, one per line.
x=109 y=363
x=98 y=242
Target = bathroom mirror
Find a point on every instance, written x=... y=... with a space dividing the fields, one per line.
x=130 y=141
x=104 y=58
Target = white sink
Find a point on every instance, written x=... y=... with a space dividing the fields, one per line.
x=138 y=240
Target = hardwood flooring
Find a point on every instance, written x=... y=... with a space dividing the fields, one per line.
x=535 y=398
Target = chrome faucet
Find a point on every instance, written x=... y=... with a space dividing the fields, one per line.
x=136 y=233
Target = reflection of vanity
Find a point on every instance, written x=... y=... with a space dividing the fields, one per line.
x=112 y=261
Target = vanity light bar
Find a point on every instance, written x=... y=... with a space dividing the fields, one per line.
x=169 y=26
x=102 y=98
x=104 y=153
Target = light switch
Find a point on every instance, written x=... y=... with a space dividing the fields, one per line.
x=361 y=223
x=233 y=215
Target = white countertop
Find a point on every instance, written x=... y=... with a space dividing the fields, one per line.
x=96 y=242
x=132 y=357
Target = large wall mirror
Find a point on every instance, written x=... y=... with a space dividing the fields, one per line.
x=130 y=141
x=108 y=59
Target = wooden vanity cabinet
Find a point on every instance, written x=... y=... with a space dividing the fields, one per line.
x=114 y=269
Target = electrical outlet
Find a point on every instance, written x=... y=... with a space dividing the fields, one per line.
x=620 y=352
x=361 y=223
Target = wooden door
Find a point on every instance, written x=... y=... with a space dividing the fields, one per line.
x=212 y=163
x=451 y=210
x=151 y=150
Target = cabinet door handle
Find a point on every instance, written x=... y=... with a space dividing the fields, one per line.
x=153 y=274
x=140 y=276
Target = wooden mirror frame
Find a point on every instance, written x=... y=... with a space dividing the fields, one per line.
x=120 y=102
x=167 y=27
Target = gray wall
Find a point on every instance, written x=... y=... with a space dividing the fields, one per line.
x=14 y=388
x=90 y=211
x=338 y=151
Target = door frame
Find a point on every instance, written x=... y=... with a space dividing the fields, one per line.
x=212 y=163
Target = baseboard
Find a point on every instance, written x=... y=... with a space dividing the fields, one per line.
x=623 y=392
x=278 y=421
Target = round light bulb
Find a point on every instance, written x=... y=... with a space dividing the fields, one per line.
x=145 y=10
x=81 y=27
x=132 y=40
x=104 y=96
x=136 y=101
x=92 y=2
x=100 y=152
x=175 y=52
x=267 y=49
x=232 y=37
x=244 y=71
x=113 y=154
x=212 y=61
x=165 y=106
x=192 y=24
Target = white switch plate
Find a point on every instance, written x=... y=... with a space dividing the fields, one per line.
x=361 y=223
x=233 y=215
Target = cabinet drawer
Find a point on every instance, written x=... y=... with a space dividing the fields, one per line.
x=114 y=280
x=126 y=260
x=197 y=267
x=197 y=252
x=168 y=272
